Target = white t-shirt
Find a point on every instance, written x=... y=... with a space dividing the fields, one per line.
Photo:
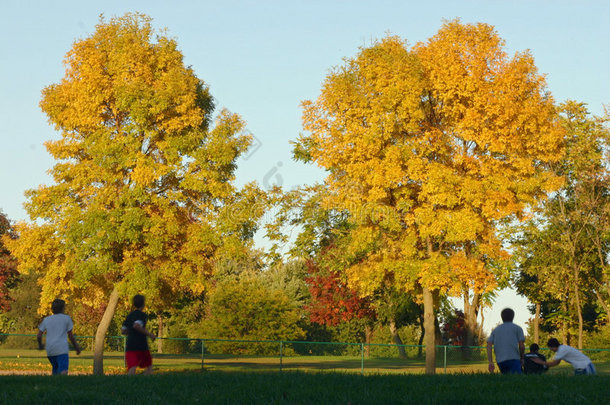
x=572 y=356
x=506 y=338
x=57 y=327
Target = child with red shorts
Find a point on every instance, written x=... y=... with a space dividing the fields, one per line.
x=136 y=349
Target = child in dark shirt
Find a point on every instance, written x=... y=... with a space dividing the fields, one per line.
x=136 y=348
x=529 y=366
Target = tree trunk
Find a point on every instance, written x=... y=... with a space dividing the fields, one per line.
x=578 y=306
x=397 y=340
x=604 y=280
x=100 y=334
x=421 y=335
x=564 y=324
x=438 y=339
x=470 y=318
x=467 y=309
x=429 y=328
x=470 y=324
x=368 y=338
x=537 y=324
x=160 y=334
x=480 y=332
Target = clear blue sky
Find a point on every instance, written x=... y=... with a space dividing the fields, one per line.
x=262 y=58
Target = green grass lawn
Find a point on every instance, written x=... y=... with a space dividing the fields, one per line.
x=33 y=361
x=215 y=387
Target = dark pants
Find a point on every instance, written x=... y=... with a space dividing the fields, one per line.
x=59 y=363
x=510 y=367
x=589 y=370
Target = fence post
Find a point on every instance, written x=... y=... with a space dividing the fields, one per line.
x=124 y=344
x=362 y=358
x=281 y=353
x=445 y=359
x=202 y=352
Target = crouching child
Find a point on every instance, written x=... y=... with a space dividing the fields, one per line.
x=581 y=363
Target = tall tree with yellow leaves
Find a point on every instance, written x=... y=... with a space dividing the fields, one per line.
x=143 y=198
x=427 y=149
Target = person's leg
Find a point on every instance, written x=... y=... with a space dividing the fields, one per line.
x=146 y=362
x=131 y=362
x=53 y=361
x=63 y=362
x=590 y=370
x=515 y=367
x=139 y=358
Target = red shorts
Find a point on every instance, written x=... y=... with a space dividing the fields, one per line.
x=138 y=358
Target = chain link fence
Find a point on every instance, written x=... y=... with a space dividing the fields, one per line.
x=19 y=354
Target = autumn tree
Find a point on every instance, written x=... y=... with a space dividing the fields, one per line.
x=453 y=328
x=332 y=301
x=583 y=206
x=143 y=198
x=565 y=246
x=428 y=148
x=22 y=317
x=320 y=241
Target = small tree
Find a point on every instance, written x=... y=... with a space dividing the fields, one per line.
x=454 y=329
x=22 y=317
x=247 y=309
x=332 y=301
x=8 y=264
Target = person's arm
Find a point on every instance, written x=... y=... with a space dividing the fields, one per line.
x=143 y=330
x=490 y=358
x=125 y=326
x=543 y=358
x=39 y=338
x=551 y=363
x=522 y=352
x=74 y=342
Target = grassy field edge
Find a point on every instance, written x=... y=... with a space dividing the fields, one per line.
x=304 y=388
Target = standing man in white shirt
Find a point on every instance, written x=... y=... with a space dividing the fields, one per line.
x=508 y=342
x=581 y=363
x=59 y=329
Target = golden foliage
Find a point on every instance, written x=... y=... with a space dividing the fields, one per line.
x=143 y=172
x=428 y=148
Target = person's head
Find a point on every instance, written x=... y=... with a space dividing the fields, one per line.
x=534 y=348
x=58 y=306
x=507 y=315
x=138 y=301
x=553 y=344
